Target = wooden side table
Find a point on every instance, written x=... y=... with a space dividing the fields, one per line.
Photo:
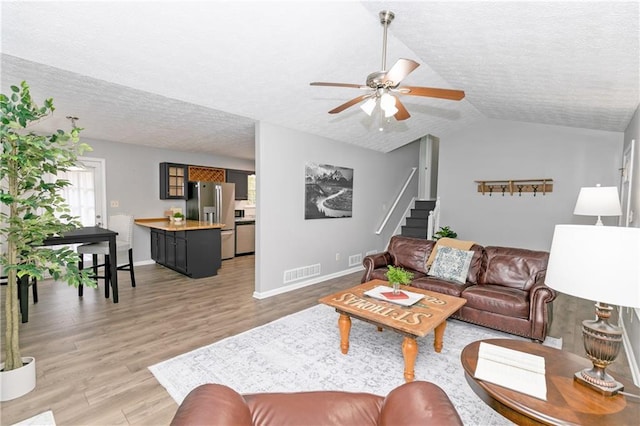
x=568 y=402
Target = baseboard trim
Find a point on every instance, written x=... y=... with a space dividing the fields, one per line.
x=306 y=283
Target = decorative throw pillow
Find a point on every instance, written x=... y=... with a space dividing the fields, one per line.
x=451 y=264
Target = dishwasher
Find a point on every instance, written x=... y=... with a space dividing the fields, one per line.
x=245 y=237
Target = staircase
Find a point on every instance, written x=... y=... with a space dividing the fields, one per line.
x=416 y=223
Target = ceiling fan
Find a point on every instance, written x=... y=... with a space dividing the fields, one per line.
x=383 y=85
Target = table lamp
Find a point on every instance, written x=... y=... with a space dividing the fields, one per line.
x=598 y=201
x=599 y=263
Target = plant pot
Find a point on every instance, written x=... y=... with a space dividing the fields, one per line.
x=177 y=220
x=396 y=288
x=18 y=382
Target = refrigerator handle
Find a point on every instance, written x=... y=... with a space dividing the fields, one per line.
x=218 y=203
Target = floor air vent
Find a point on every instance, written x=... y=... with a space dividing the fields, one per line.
x=303 y=272
x=355 y=260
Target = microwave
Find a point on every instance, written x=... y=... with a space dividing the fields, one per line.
x=239 y=213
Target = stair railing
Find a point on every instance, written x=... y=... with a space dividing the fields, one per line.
x=433 y=222
x=397 y=200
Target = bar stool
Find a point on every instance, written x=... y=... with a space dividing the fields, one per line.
x=123 y=225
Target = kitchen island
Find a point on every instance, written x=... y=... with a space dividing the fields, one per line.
x=190 y=247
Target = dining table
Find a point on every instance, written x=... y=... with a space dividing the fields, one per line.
x=85 y=234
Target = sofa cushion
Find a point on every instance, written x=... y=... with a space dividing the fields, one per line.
x=498 y=299
x=451 y=264
x=439 y=286
x=514 y=267
x=410 y=253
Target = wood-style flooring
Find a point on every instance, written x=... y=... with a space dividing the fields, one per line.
x=92 y=355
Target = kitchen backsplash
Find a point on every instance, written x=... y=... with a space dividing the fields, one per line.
x=249 y=209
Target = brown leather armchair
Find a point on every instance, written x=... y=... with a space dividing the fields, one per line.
x=415 y=403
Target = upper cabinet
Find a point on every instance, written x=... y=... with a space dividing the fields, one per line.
x=173 y=181
x=240 y=178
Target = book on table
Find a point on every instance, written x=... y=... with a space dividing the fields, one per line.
x=520 y=371
x=381 y=291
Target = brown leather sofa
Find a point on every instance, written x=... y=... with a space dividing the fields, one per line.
x=415 y=403
x=504 y=289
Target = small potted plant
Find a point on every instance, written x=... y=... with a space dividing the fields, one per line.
x=445 y=231
x=177 y=217
x=397 y=276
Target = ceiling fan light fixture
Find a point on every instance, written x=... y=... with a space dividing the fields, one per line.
x=388 y=105
x=390 y=112
x=368 y=106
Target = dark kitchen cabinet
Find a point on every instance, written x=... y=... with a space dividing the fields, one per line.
x=173 y=181
x=196 y=253
x=240 y=178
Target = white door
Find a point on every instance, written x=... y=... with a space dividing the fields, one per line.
x=86 y=196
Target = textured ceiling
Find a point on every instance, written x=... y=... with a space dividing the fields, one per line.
x=196 y=76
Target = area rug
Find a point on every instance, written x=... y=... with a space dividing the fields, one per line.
x=42 y=419
x=301 y=352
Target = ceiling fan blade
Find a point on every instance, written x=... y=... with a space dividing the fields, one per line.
x=431 y=92
x=399 y=70
x=346 y=105
x=402 y=113
x=355 y=86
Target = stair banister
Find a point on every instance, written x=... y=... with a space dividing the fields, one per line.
x=397 y=200
x=433 y=223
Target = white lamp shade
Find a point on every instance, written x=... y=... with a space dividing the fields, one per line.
x=368 y=106
x=599 y=263
x=598 y=201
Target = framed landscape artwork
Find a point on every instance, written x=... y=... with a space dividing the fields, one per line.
x=328 y=191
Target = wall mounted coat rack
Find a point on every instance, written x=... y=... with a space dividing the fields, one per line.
x=517 y=186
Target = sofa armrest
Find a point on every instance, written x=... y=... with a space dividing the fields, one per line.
x=416 y=403
x=540 y=307
x=374 y=261
x=213 y=404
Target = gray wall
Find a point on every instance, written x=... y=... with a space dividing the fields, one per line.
x=498 y=149
x=133 y=178
x=630 y=318
x=285 y=240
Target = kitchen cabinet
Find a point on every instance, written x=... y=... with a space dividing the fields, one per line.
x=240 y=178
x=173 y=181
x=195 y=253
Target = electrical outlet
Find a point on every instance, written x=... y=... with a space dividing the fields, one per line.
x=337 y=257
x=115 y=203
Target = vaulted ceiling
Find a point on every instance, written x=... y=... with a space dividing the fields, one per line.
x=197 y=76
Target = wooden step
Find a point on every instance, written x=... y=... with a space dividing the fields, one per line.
x=409 y=231
x=414 y=222
x=425 y=205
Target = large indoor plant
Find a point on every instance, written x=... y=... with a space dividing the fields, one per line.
x=32 y=207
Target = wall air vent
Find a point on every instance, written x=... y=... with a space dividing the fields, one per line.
x=355 y=260
x=302 y=272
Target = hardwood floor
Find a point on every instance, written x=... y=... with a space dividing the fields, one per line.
x=92 y=355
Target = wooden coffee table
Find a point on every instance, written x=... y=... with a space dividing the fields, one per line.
x=430 y=313
x=568 y=402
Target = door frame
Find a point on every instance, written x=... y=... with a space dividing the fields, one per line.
x=99 y=172
x=626 y=184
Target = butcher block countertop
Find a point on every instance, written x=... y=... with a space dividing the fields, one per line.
x=184 y=225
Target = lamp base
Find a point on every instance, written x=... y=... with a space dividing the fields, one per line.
x=586 y=378
x=602 y=342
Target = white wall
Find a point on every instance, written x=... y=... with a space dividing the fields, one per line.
x=630 y=318
x=498 y=149
x=133 y=179
x=285 y=240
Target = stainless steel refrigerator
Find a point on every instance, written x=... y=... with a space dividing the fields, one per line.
x=214 y=202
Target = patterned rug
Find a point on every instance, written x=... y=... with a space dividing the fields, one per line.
x=301 y=352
